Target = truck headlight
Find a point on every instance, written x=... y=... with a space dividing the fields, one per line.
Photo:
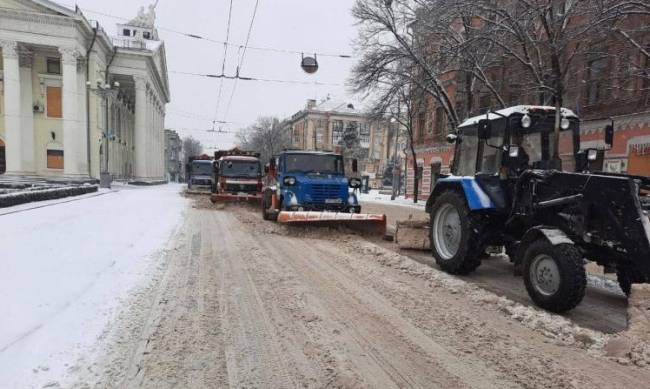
x=290 y=181
x=526 y=121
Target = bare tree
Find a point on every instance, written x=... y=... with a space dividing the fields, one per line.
x=267 y=136
x=191 y=148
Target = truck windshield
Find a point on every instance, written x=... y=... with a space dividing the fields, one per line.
x=202 y=168
x=313 y=163
x=240 y=168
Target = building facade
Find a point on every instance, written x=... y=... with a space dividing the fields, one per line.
x=75 y=102
x=599 y=89
x=173 y=156
x=322 y=125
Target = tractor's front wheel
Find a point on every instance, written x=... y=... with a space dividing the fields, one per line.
x=554 y=275
x=456 y=234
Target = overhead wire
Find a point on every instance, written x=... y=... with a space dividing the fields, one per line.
x=241 y=60
x=223 y=64
x=215 y=41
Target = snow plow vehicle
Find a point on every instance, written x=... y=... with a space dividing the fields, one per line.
x=310 y=187
x=509 y=188
x=237 y=177
x=199 y=174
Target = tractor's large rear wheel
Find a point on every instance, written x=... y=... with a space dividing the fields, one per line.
x=456 y=234
x=554 y=275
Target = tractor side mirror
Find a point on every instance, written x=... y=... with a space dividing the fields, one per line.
x=484 y=129
x=355 y=165
x=452 y=138
x=609 y=135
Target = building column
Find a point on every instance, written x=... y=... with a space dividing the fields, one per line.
x=13 y=109
x=74 y=163
x=27 y=112
x=140 y=130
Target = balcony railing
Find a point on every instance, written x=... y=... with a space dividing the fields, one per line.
x=130 y=43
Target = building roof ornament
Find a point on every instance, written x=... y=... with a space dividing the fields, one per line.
x=145 y=19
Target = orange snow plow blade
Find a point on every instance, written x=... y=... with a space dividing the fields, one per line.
x=230 y=198
x=372 y=223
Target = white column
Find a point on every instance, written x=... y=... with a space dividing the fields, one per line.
x=140 y=130
x=149 y=132
x=27 y=112
x=74 y=163
x=13 y=110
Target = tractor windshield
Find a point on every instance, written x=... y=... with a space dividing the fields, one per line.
x=314 y=163
x=202 y=168
x=240 y=169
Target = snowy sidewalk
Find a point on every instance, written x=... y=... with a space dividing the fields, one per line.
x=66 y=268
x=375 y=197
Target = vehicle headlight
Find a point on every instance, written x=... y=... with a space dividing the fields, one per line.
x=289 y=181
x=565 y=123
x=526 y=121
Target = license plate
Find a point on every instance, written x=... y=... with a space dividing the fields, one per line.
x=333 y=201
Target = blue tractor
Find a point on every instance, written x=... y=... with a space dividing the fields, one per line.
x=547 y=209
x=311 y=187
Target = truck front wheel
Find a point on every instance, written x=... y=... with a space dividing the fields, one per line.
x=554 y=275
x=456 y=234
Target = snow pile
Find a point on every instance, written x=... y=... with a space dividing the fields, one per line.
x=633 y=345
x=375 y=197
x=550 y=325
x=66 y=269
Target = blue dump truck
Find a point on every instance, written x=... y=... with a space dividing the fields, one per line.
x=311 y=187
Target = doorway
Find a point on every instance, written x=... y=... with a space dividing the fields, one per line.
x=3 y=163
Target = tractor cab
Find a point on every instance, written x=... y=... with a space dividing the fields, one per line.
x=515 y=139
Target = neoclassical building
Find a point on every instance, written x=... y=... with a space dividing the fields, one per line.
x=76 y=102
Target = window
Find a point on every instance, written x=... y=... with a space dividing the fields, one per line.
x=421 y=125
x=55 y=159
x=146 y=35
x=440 y=131
x=466 y=163
x=337 y=131
x=596 y=86
x=53 y=66
x=126 y=32
x=54 y=109
x=364 y=134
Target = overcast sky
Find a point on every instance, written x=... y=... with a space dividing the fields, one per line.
x=323 y=26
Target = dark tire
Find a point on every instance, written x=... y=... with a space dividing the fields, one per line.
x=266 y=214
x=456 y=254
x=554 y=275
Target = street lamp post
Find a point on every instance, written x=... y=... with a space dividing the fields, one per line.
x=106 y=91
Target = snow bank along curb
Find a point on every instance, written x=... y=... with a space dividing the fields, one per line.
x=555 y=327
x=27 y=196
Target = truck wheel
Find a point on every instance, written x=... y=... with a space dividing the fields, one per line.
x=456 y=234
x=554 y=275
x=266 y=215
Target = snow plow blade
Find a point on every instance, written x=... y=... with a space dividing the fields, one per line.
x=230 y=198
x=370 y=223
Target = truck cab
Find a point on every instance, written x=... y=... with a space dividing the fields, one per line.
x=237 y=176
x=311 y=181
x=199 y=172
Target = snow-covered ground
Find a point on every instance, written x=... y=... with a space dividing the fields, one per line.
x=66 y=266
x=375 y=197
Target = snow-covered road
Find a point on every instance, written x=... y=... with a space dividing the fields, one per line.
x=65 y=269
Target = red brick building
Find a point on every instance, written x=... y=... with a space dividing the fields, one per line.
x=600 y=89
